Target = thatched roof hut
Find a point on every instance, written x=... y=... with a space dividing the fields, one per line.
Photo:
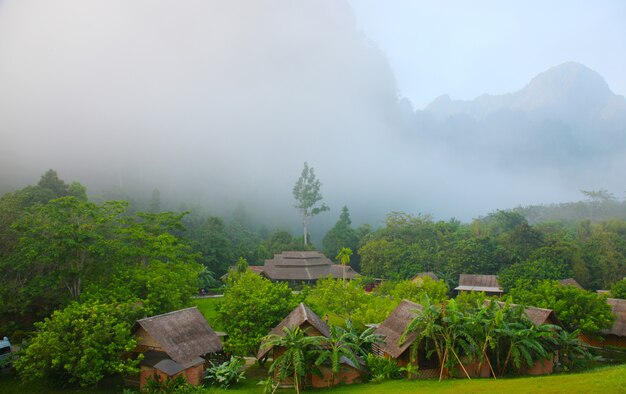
x=616 y=335
x=302 y=317
x=619 y=310
x=174 y=343
x=304 y=266
x=485 y=283
x=421 y=275
x=393 y=327
x=311 y=324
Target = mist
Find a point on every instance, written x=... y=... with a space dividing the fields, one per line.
x=217 y=103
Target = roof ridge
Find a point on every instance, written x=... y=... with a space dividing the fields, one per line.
x=306 y=318
x=167 y=313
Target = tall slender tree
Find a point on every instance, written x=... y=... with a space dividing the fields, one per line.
x=307 y=193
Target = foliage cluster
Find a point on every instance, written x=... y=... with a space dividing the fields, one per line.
x=227 y=373
x=576 y=308
x=251 y=307
x=82 y=343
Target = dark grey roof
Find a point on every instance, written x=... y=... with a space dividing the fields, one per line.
x=306 y=265
x=393 y=327
x=184 y=335
x=299 y=316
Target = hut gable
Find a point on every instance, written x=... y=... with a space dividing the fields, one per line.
x=302 y=317
x=619 y=310
x=537 y=316
x=393 y=327
x=420 y=275
x=486 y=283
x=183 y=335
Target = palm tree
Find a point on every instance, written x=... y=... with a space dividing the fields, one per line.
x=344 y=258
x=336 y=347
x=297 y=351
x=363 y=340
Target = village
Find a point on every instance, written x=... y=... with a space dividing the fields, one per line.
x=183 y=343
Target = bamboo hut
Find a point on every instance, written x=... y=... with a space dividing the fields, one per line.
x=174 y=344
x=311 y=324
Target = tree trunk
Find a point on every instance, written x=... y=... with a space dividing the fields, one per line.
x=304 y=226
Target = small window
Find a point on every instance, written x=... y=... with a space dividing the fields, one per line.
x=5 y=350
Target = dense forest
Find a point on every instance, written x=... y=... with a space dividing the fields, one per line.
x=57 y=246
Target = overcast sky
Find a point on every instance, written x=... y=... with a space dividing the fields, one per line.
x=467 y=48
x=220 y=102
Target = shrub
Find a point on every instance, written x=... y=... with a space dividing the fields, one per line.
x=382 y=368
x=227 y=373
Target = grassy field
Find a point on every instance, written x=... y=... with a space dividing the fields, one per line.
x=606 y=380
x=208 y=307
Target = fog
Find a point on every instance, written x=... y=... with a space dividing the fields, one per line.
x=220 y=102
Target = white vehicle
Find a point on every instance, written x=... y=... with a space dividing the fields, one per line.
x=5 y=352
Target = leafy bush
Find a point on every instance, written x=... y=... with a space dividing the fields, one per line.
x=619 y=289
x=227 y=373
x=83 y=343
x=382 y=368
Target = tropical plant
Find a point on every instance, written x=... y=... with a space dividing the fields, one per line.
x=298 y=350
x=382 y=368
x=336 y=347
x=227 y=373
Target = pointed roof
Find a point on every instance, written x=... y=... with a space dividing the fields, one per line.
x=393 y=327
x=184 y=334
x=302 y=314
x=536 y=315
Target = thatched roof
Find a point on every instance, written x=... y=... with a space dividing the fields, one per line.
x=306 y=265
x=536 y=315
x=183 y=335
x=486 y=283
x=570 y=282
x=393 y=327
x=297 y=318
x=619 y=310
x=430 y=274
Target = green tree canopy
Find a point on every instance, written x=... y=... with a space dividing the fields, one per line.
x=251 y=307
x=82 y=343
x=578 y=309
x=341 y=235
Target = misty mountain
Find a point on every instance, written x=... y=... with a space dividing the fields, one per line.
x=566 y=118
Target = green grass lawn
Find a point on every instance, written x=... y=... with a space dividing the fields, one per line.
x=607 y=380
x=208 y=307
